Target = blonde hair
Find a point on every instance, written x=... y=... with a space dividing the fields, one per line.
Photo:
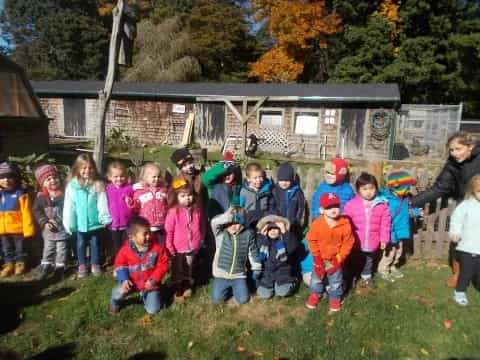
x=462 y=137
x=149 y=165
x=81 y=161
x=117 y=165
x=253 y=167
x=473 y=183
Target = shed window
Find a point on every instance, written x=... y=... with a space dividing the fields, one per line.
x=306 y=123
x=270 y=118
x=329 y=116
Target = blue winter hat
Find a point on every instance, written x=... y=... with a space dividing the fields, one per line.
x=285 y=172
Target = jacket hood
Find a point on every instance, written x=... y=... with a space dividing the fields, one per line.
x=272 y=219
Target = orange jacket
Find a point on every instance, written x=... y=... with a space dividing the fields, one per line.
x=329 y=242
x=16 y=213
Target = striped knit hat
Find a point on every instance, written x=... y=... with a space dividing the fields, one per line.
x=399 y=181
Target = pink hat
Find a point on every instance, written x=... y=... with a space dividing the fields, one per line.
x=42 y=172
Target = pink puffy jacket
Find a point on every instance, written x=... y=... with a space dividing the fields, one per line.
x=371 y=224
x=151 y=203
x=184 y=230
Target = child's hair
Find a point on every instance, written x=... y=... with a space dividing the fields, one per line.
x=462 y=137
x=180 y=185
x=117 y=165
x=365 y=179
x=149 y=165
x=135 y=223
x=253 y=167
x=473 y=183
x=80 y=161
x=239 y=214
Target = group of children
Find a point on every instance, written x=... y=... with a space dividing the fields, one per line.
x=252 y=228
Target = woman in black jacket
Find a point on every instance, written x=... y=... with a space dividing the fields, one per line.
x=462 y=164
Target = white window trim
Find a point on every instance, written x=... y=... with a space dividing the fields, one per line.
x=324 y=116
x=306 y=110
x=282 y=110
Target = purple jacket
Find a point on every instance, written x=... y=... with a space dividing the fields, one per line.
x=119 y=210
x=184 y=230
x=371 y=224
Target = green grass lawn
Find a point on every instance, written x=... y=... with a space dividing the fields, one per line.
x=404 y=320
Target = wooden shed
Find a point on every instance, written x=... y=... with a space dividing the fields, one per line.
x=23 y=124
x=312 y=120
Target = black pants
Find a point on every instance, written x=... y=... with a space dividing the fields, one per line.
x=113 y=242
x=469 y=271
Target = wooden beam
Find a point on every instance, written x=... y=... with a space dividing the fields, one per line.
x=105 y=94
x=255 y=108
x=234 y=110
x=244 y=123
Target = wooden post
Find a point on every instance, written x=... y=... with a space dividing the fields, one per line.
x=244 y=125
x=105 y=94
x=376 y=169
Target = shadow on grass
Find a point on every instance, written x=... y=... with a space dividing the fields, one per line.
x=21 y=294
x=60 y=352
x=149 y=355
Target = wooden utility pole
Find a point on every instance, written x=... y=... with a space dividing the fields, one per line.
x=105 y=94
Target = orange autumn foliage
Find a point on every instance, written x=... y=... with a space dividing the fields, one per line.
x=105 y=7
x=389 y=11
x=297 y=27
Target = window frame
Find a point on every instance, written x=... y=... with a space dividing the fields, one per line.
x=296 y=111
x=271 y=109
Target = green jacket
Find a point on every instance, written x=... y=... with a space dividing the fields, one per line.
x=233 y=250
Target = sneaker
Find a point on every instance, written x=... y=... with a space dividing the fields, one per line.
x=96 y=270
x=82 y=271
x=313 y=300
x=8 y=269
x=395 y=273
x=386 y=276
x=45 y=270
x=19 y=268
x=460 y=298
x=113 y=309
x=187 y=293
x=335 y=305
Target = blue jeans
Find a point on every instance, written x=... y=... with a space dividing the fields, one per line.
x=12 y=247
x=152 y=301
x=279 y=290
x=92 y=237
x=335 y=282
x=368 y=265
x=221 y=290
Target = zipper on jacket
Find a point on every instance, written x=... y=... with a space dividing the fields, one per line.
x=234 y=255
x=189 y=229
x=368 y=211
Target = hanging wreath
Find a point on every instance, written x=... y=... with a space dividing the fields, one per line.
x=380 y=122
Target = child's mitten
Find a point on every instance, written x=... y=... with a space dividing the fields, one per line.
x=263 y=253
x=318 y=266
x=281 y=251
x=331 y=266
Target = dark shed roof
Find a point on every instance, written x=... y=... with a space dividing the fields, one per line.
x=385 y=93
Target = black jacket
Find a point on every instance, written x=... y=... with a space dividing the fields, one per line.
x=452 y=180
x=274 y=270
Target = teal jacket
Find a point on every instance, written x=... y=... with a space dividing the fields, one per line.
x=464 y=222
x=85 y=208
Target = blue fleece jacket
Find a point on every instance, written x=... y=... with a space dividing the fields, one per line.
x=344 y=191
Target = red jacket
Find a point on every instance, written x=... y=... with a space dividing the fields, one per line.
x=151 y=203
x=152 y=264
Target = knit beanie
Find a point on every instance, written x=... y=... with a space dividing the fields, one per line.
x=42 y=172
x=7 y=170
x=228 y=160
x=399 y=181
x=339 y=167
x=180 y=156
x=285 y=172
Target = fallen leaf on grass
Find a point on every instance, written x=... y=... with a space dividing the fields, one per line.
x=258 y=353
x=421 y=299
x=190 y=344
x=447 y=323
x=329 y=323
x=201 y=315
x=424 y=352
x=396 y=306
x=49 y=316
x=66 y=297
x=240 y=349
x=145 y=321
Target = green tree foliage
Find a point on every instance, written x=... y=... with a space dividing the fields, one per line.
x=57 y=39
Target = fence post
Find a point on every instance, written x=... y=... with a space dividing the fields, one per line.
x=376 y=169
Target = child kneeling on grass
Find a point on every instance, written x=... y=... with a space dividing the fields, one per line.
x=463 y=229
x=276 y=277
x=330 y=240
x=140 y=266
x=234 y=245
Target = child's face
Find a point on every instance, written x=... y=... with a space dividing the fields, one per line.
x=331 y=212
x=330 y=177
x=476 y=193
x=459 y=151
x=117 y=177
x=52 y=183
x=86 y=171
x=367 y=191
x=142 y=238
x=152 y=176
x=273 y=233
x=234 y=228
x=284 y=184
x=7 y=183
x=255 y=180
x=188 y=167
x=185 y=199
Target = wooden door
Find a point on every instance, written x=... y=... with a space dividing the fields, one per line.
x=209 y=127
x=352 y=132
x=74 y=117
